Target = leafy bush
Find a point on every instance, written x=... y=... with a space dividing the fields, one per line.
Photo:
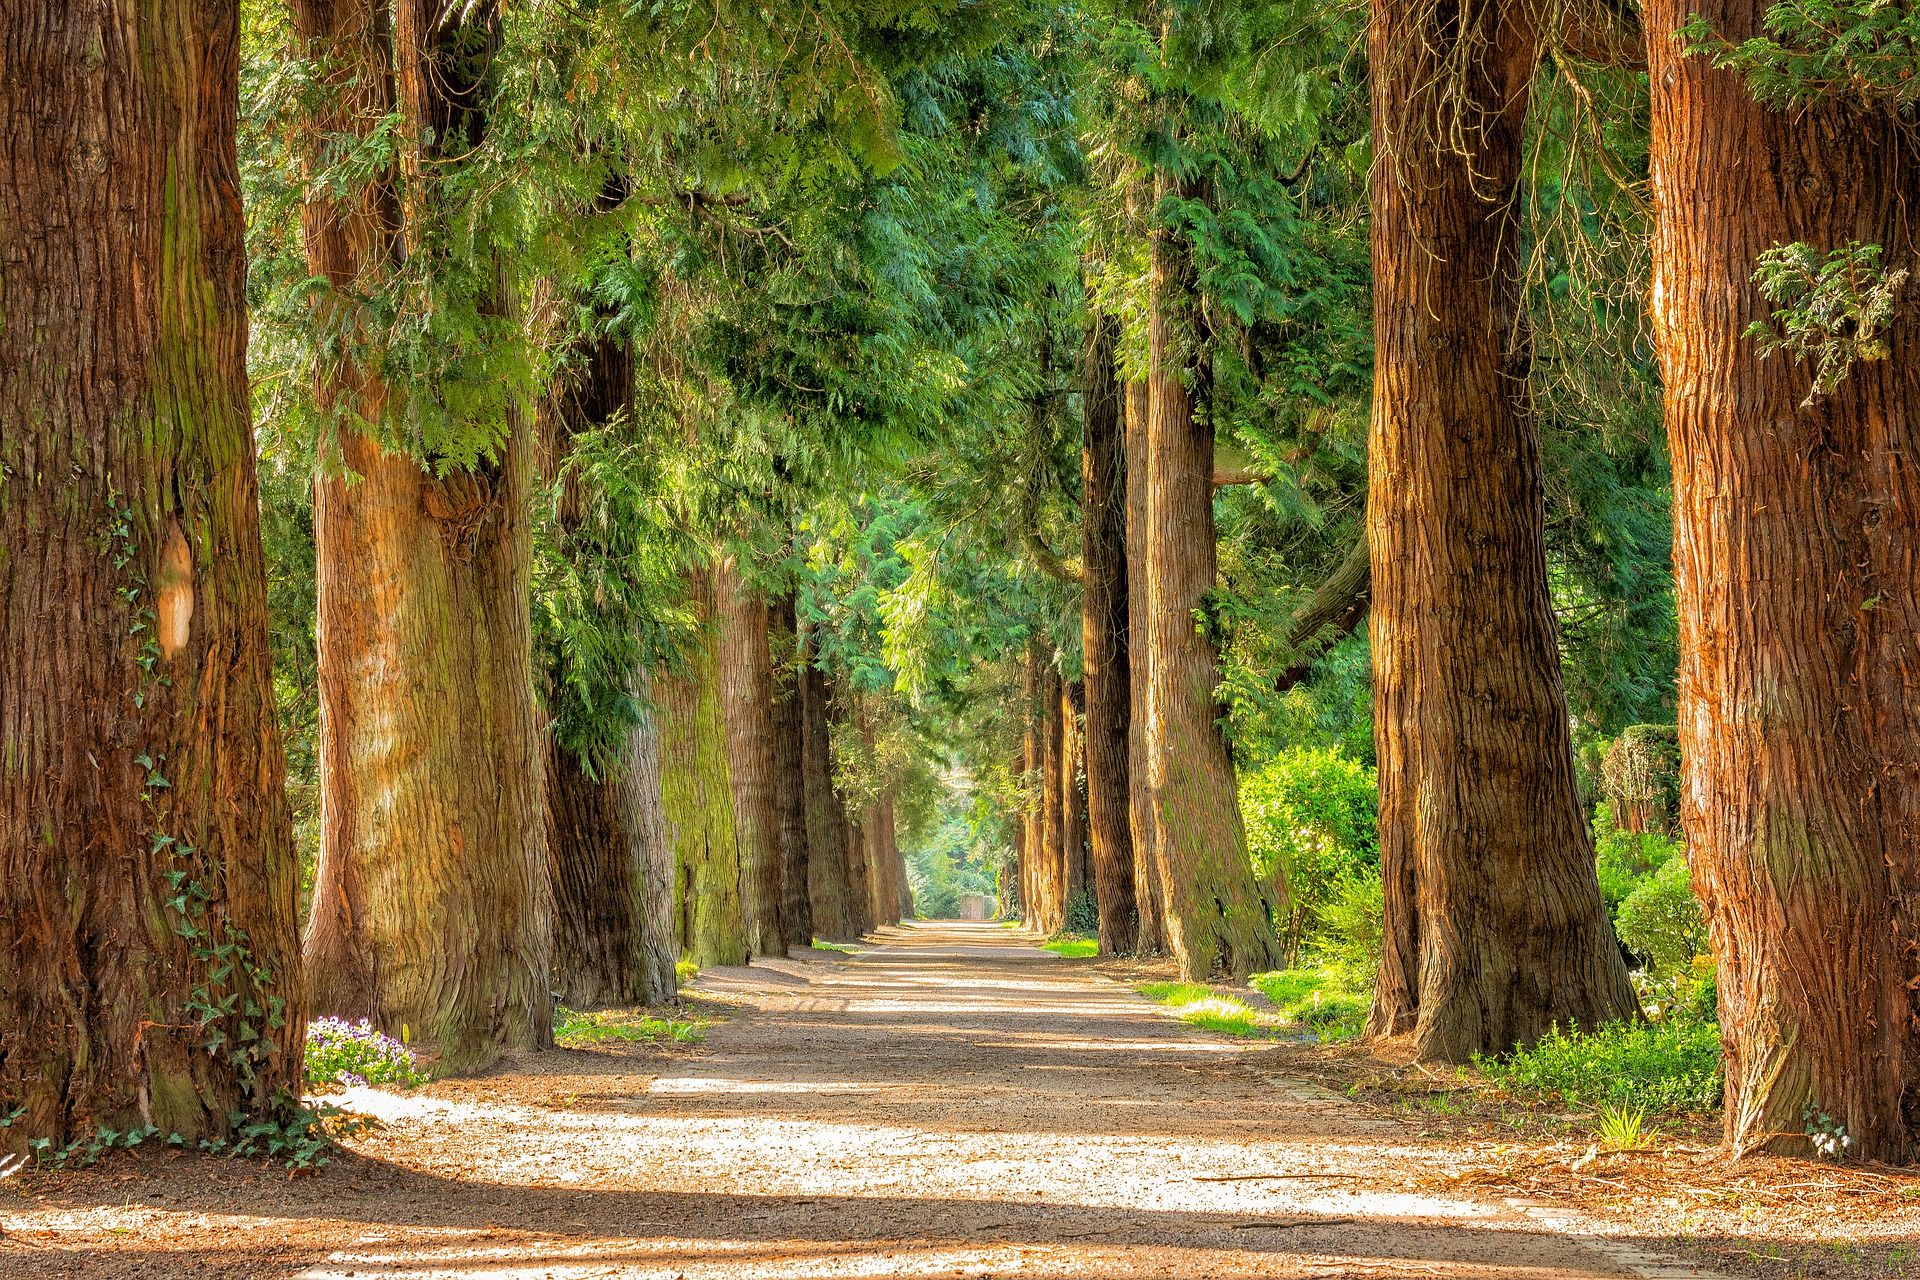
x=1327 y=1000
x=1655 y=1066
x=1662 y=920
x=1311 y=817
x=353 y=1053
x=1083 y=913
x=1353 y=924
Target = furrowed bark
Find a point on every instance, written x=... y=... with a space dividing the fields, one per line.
x=1149 y=893
x=827 y=854
x=696 y=793
x=1796 y=532
x=432 y=908
x=137 y=733
x=1217 y=920
x=746 y=675
x=1103 y=630
x=789 y=772
x=1495 y=929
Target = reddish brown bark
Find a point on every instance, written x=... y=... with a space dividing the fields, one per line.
x=828 y=888
x=1217 y=920
x=137 y=734
x=789 y=773
x=1104 y=640
x=431 y=905
x=1149 y=893
x=746 y=676
x=1494 y=925
x=1796 y=534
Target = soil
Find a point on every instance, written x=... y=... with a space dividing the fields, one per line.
x=951 y=1101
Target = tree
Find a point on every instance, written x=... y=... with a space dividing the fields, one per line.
x=147 y=869
x=1216 y=919
x=1795 y=534
x=1495 y=930
x=432 y=907
x=746 y=675
x=1104 y=623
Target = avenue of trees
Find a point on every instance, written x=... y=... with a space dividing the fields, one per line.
x=499 y=499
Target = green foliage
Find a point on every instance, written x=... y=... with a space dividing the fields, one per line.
x=1311 y=818
x=1203 y=1007
x=1661 y=920
x=573 y=1029
x=1829 y=309
x=1073 y=948
x=1327 y=999
x=1658 y=1067
x=1860 y=51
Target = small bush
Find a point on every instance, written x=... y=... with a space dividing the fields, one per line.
x=1312 y=821
x=1325 y=1000
x=1655 y=1066
x=1662 y=921
x=353 y=1053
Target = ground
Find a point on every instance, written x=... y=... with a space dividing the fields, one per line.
x=948 y=1101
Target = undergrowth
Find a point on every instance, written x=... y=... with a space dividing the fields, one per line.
x=576 y=1030
x=1656 y=1067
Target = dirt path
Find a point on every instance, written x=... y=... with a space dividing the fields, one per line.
x=948 y=1103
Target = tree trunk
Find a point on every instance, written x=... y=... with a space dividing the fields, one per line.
x=145 y=840
x=1149 y=893
x=746 y=674
x=1076 y=857
x=827 y=853
x=607 y=860
x=432 y=909
x=789 y=773
x=612 y=877
x=1796 y=532
x=1050 y=908
x=1217 y=920
x=1494 y=925
x=1103 y=630
x=696 y=793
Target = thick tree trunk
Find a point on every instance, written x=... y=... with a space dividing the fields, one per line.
x=1796 y=534
x=1494 y=925
x=696 y=792
x=827 y=854
x=1149 y=893
x=1103 y=630
x=1076 y=856
x=147 y=868
x=746 y=675
x=789 y=774
x=612 y=877
x=431 y=904
x=1217 y=920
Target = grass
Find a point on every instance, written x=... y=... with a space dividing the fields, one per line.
x=1656 y=1067
x=575 y=1030
x=820 y=944
x=1202 y=1006
x=1072 y=946
x=1323 y=1000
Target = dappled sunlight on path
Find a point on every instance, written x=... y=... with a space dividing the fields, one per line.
x=950 y=1101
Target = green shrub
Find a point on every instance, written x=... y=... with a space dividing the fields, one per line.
x=1326 y=1000
x=1662 y=921
x=1657 y=1066
x=1311 y=817
x=1352 y=926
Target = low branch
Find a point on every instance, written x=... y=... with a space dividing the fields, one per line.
x=1333 y=611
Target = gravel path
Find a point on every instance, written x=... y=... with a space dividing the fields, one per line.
x=949 y=1102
